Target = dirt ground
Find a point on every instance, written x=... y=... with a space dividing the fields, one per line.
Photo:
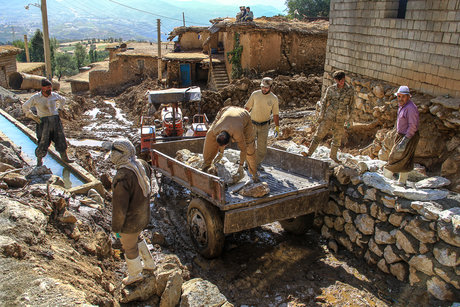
x=264 y=266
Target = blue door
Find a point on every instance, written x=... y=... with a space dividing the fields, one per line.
x=185 y=77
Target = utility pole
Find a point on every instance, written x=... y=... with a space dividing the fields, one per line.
x=183 y=18
x=26 y=47
x=160 y=69
x=49 y=73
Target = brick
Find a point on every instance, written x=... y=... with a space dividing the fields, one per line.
x=446 y=38
x=455 y=39
x=452 y=5
x=453 y=26
x=445 y=27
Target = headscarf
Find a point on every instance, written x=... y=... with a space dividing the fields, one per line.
x=124 y=156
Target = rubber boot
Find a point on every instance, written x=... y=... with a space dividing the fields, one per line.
x=39 y=161
x=147 y=258
x=64 y=157
x=388 y=174
x=333 y=154
x=314 y=144
x=403 y=179
x=134 y=270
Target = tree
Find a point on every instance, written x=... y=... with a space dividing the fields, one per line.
x=80 y=55
x=65 y=65
x=308 y=8
x=21 y=57
x=37 y=54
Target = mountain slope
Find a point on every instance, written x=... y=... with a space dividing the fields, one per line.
x=135 y=19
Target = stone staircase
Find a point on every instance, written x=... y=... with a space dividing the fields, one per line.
x=219 y=76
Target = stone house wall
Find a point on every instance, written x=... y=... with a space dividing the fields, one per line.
x=190 y=41
x=7 y=66
x=420 y=50
x=123 y=71
x=275 y=50
x=416 y=241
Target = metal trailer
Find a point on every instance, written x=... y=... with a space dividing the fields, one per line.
x=298 y=187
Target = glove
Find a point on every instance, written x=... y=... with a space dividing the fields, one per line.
x=402 y=145
x=117 y=235
x=348 y=124
x=277 y=131
x=218 y=158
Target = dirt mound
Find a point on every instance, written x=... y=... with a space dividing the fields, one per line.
x=134 y=100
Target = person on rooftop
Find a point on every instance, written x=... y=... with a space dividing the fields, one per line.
x=241 y=14
x=249 y=15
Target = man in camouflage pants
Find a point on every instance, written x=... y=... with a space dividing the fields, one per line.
x=335 y=111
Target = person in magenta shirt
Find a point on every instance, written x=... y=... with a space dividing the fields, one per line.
x=401 y=159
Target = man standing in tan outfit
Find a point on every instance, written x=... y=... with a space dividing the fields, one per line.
x=231 y=123
x=335 y=111
x=262 y=104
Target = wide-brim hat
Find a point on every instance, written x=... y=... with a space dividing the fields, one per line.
x=403 y=89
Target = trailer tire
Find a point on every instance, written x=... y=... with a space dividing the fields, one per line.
x=205 y=228
x=298 y=225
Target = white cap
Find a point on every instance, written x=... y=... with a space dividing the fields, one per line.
x=403 y=90
x=266 y=82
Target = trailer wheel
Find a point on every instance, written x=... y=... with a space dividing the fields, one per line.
x=298 y=225
x=205 y=227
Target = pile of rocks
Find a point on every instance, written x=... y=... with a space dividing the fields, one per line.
x=411 y=233
x=170 y=285
x=226 y=169
x=439 y=145
x=297 y=91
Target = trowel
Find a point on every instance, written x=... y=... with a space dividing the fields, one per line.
x=146 y=256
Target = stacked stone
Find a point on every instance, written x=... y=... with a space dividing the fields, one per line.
x=376 y=105
x=297 y=91
x=416 y=241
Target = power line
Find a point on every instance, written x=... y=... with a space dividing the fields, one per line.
x=147 y=12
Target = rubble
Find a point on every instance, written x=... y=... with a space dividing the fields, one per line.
x=226 y=169
x=255 y=190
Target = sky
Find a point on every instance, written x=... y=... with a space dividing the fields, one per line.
x=279 y=4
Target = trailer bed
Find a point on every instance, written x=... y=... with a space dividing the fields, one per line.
x=286 y=174
x=281 y=183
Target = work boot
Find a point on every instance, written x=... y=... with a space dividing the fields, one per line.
x=134 y=270
x=147 y=258
x=402 y=179
x=333 y=154
x=65 y=158
x=39 y=161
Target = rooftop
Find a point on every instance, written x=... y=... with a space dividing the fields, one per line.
x=9 y=50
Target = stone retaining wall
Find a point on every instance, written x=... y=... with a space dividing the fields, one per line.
x=416 y=241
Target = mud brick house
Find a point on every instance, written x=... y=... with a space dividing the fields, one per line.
x=7 y=63
x=415 y=43
x=128 y=64
x=34 y=68
x=267 y=44
x=276 y=44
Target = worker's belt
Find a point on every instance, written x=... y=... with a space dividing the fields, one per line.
x=261 y=124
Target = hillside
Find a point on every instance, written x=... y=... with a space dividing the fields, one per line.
x=70 y=20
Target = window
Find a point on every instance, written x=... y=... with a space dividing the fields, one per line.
x=402 y=9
